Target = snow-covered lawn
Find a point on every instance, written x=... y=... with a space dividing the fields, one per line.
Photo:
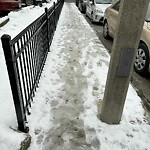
x=71 y=87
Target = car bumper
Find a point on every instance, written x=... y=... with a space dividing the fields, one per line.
x=9 y=5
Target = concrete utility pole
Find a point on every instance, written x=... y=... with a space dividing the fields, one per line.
x=129 y=28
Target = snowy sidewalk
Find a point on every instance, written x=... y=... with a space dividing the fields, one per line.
x=64 y=113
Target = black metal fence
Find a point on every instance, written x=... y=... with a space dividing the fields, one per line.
x=25 y=57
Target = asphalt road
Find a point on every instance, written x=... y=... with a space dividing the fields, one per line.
x=141 y=84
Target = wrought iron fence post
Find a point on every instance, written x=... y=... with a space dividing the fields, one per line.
x=54 y=15
x=47 y=22
x=6 y=43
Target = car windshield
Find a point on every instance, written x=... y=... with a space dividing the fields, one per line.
x=103 y=1
x=147 y=18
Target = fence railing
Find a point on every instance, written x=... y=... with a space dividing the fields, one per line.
x=25 y=57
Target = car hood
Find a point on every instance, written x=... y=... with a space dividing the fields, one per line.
x=102 y=6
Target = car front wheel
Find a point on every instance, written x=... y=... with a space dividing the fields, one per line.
x=141 y=64
x=106 y=30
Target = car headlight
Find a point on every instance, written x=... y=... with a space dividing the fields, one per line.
x=98 y=10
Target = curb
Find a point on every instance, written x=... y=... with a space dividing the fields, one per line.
x=26 y=142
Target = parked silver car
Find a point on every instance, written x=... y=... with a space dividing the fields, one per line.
x=95 y=9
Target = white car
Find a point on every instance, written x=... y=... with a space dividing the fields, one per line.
x=95 y=9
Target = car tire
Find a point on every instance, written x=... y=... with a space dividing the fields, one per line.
x=29 y=2
x=106 y=30
x=141 y=64
x=92 y=16
x=81 y=9
x=77 y=3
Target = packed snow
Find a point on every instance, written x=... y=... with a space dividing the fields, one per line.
x=65 y=108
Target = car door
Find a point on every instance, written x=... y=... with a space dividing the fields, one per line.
x=112 y=18
x=89 y=8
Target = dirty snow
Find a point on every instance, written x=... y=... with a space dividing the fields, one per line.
x=64 y=112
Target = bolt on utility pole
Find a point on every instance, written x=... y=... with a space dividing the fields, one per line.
x=129 y=28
